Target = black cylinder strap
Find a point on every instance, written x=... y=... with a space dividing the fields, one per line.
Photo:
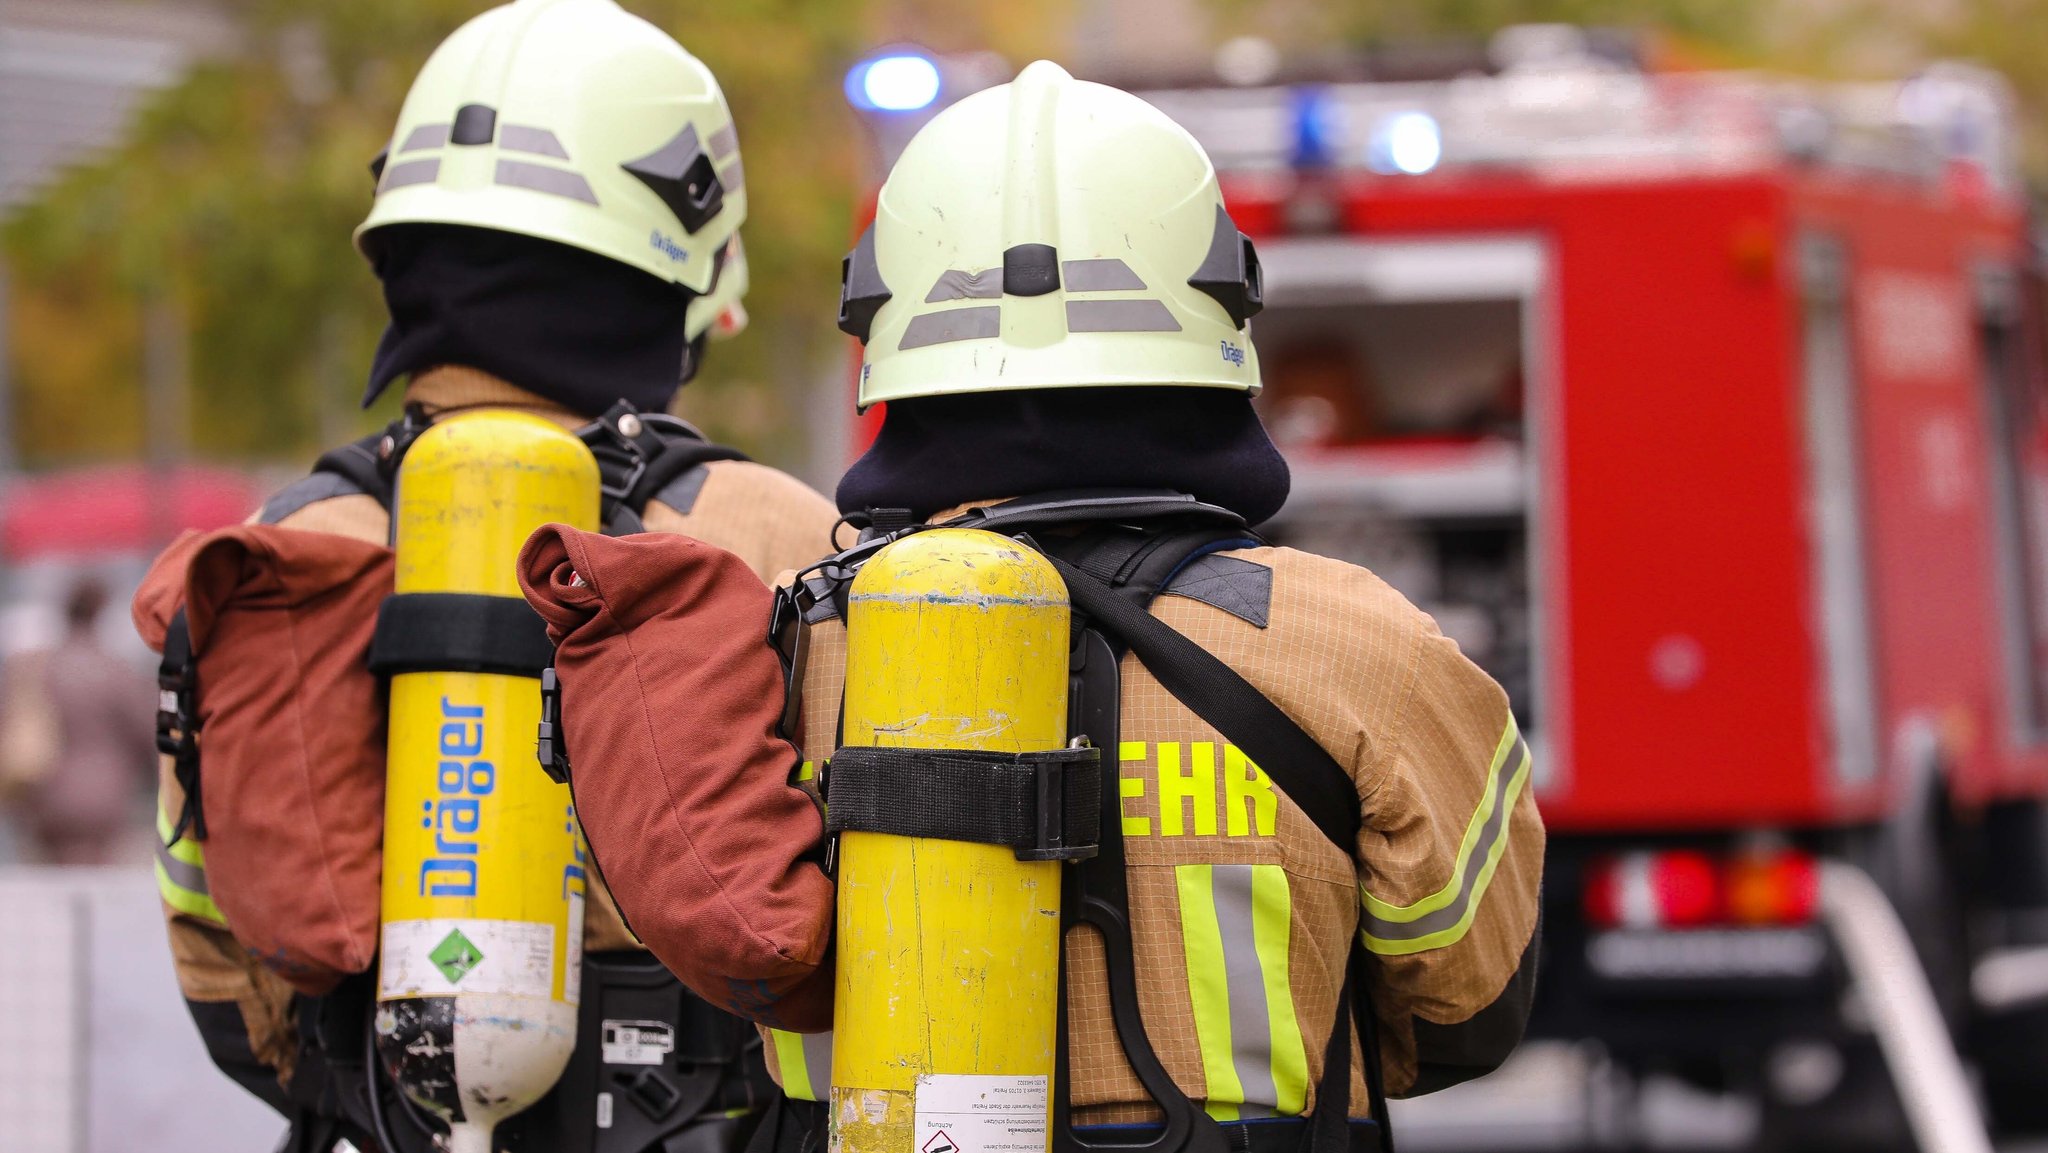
x=459 y=633
x=1046 y=806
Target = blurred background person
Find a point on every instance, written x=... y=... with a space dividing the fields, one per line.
x=80 y=746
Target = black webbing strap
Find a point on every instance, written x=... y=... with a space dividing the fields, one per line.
x=363 y=464
x=638 y=454
x=1358 y=983
x=1045 y=805
x=177 y=722
x=459 y=633
x=1092 y=506
x=369 y=465
x=1310 y=777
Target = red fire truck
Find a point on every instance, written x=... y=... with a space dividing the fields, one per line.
x=1706 y=411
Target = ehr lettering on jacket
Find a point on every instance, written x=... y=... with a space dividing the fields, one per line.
x=1183 y=778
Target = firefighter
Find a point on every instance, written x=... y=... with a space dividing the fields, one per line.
x=1326 y=902
x=555 y=230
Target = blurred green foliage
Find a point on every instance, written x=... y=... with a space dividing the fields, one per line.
x=234 y=199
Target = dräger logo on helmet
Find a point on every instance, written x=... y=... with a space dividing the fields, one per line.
x=667 y=247
x=1232 y=353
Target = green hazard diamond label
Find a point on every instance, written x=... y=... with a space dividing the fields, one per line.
x=455 y=956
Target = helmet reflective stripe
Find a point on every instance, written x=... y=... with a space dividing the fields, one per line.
x=576 y=122
x=1051 y=233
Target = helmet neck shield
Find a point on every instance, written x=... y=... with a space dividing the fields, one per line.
x=571 y=326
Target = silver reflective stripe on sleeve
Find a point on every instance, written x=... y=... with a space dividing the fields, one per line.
x=1443 y=917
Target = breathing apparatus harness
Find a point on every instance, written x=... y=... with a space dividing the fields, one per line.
x=1117 y=550
x=336 y=1090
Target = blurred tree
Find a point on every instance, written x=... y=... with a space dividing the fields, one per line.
x=233 y=201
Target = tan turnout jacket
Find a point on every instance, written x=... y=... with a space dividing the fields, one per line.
x=769 y=519
x=1242 y=911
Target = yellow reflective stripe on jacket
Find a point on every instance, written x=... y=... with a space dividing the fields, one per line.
x=805 y=1062
x=1443 y=917
x=181 y=874
x=1235 y=921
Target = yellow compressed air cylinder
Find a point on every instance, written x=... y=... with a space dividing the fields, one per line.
x=948 y=952
x=483 y=891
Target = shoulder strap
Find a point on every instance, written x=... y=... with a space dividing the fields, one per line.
x=349 y=470
x=177 y=724
x=639 y=456
x=367 y=467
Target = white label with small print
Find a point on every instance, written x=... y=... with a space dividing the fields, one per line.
x=604 y=1110
x=638 y=1042
x=572 y=969
x=960 y=1113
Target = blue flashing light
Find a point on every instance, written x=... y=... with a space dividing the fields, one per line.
x=899 y=82
x=1315 y=128
x=1406 y=142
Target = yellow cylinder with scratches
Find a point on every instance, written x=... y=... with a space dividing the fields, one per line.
x=945 y=1010
x=483 y=886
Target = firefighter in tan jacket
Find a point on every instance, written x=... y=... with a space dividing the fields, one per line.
x=1052 y=300
x=540 y=149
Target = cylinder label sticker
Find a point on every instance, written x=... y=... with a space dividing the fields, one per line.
x=442 y=956
x=638 y=1042
x=572 y=971
x=977 y=1114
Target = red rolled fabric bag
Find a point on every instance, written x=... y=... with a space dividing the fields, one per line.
x=671 y=698
x=291 y=736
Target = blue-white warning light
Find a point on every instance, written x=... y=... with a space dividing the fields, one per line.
x=1316 y=129
x=1406 y=142
x=900 y=82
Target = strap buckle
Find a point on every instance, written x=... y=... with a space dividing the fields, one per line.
x=177 y=719
x=789 y=634
x=397 y=440
x=177 y=724
x=1051 y=842
x=625 y=442
x=549 y=747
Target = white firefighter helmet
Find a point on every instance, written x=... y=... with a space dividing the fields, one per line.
x=576 y=122
x=1051 y=233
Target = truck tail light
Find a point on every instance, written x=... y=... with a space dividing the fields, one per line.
x=1773 y=888
x=1682 y=889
